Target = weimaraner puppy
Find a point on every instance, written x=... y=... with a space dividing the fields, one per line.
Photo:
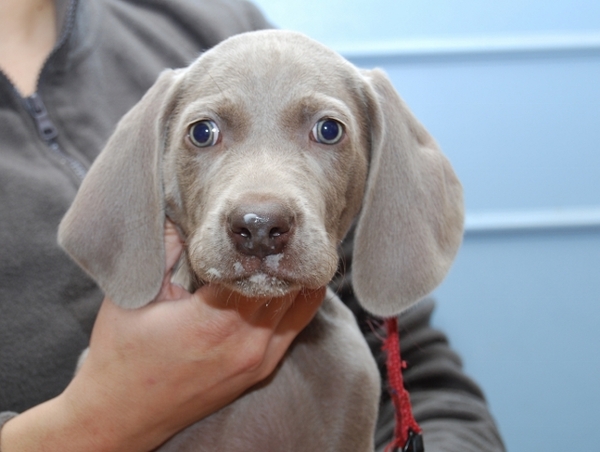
x=263 y=152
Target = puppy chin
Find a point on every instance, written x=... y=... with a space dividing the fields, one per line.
x=261 y=285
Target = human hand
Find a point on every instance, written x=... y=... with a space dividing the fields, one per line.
x=152 y=371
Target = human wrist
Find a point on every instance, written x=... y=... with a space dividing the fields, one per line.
x=4 y=418
x=50 y=426
x=109 y=417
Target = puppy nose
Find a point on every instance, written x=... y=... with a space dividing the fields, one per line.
x=261 y=229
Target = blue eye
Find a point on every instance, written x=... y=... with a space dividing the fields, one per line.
x=204 y=133
x=328 y=131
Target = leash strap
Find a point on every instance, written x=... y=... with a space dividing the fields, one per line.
x=407 y=433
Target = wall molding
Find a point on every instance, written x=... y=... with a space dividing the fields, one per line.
x=564 y=43
x=532 y=221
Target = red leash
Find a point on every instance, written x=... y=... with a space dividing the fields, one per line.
x=407 y=433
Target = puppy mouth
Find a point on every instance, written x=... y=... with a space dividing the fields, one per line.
x=256 y=278
x=261 y=285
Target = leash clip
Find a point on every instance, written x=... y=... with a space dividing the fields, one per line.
x=414 y=443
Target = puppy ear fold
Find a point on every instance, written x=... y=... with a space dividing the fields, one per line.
x=115 y=227
x=411 y=222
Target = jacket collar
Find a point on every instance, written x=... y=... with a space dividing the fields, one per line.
x=77 y=22
x=62 y=11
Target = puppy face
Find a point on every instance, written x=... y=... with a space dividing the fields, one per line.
x=265 y=165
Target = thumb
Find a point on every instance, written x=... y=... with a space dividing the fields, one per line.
x=173 y=245
x=173 y=250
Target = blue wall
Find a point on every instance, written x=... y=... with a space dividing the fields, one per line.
x=511 y=91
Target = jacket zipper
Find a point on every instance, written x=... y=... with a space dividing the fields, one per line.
x=47 y=130
x=49 y=134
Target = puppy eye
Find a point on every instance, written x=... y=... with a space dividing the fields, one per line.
x=327 y=131
x=204 y=133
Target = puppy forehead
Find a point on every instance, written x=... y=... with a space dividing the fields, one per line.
x=268 y=66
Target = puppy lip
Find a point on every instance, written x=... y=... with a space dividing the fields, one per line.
x=256 y=273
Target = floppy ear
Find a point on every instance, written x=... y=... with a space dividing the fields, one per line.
x=411 y=222
x=115 y=227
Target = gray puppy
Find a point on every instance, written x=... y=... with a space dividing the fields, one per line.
x=263 y=152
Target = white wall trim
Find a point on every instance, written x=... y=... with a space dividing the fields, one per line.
x=473 y=46
x=494 y=222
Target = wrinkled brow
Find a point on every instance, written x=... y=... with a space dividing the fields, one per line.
x=306 y=109
x=231 y=115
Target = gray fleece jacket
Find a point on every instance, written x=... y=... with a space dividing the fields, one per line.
x=108 y=54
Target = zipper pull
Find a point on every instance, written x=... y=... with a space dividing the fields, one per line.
x=46 y=128
x=48 y=132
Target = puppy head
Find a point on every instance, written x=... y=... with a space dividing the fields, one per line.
x=266 y=162
x=262 y=152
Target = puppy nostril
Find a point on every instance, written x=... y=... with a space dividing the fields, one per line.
x=279 y=231
x=245 y=233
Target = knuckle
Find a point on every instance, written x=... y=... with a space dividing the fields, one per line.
x=253 y=357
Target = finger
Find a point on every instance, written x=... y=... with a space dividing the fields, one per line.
x=173 y=250
x=301 y=311
x=295 y=319
x=173 y=245
x=270 y=313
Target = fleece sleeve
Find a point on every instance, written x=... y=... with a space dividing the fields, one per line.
x=448 y=405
